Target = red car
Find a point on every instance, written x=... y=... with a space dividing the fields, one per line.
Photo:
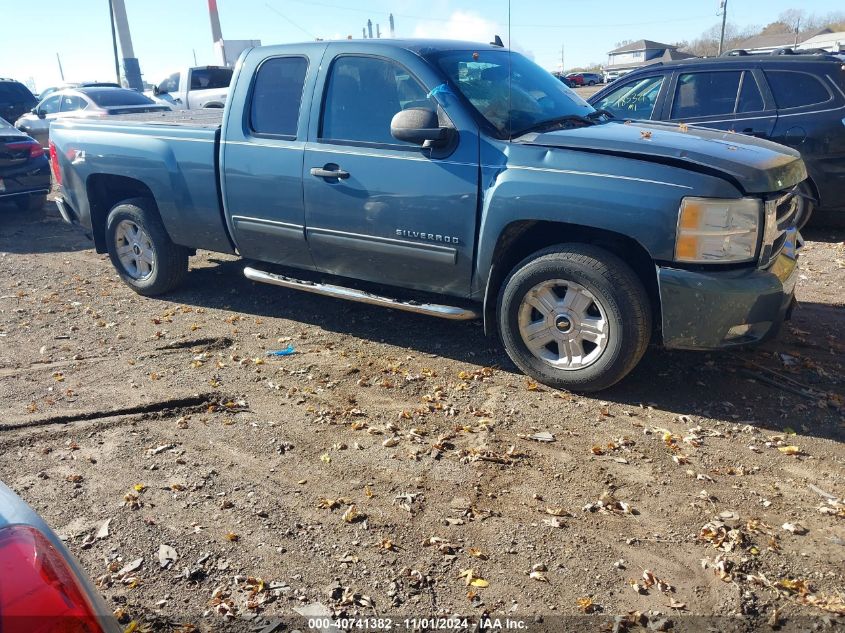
x=584 y=79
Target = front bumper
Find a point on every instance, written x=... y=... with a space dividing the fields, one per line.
x=716 y=310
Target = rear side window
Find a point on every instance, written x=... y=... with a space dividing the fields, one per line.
x=108 y=97
x=210 y=78
x=169 y=85
x=793 y=89
x=277 y=95
x=705 y=94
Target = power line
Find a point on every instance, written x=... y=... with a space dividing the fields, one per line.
x=286 y=18
x=428 y=18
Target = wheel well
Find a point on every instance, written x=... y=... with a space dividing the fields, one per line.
x=521 y=239
x=105 y=191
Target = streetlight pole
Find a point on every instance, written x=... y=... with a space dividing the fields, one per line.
x=724 y=5
x=114 y=43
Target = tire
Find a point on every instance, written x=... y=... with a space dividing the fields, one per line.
x=33 y=204
x=153 y=265
x=594 y=294
x=592 y=83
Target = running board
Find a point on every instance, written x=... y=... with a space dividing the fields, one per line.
x=339 y=292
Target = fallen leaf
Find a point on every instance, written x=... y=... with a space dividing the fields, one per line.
x=472 y=551
x=645 y=134
x=232 y=537
x=586 y=604
x=789 y=450
x=351 y=515
x=538 y=576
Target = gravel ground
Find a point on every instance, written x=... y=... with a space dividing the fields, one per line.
x=399 y=466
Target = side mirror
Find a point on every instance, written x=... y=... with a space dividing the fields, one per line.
x=156 y=91
x=421 y=127
x=38 y=113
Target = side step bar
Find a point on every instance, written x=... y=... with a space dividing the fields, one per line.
x=339 y=292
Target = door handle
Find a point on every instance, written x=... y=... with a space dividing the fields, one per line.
x=321 y=172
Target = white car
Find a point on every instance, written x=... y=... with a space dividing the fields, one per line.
x=197 y=87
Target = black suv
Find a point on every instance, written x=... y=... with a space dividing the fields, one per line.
x=797 y=100
x=15 y=99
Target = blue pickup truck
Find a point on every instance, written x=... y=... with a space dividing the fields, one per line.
x=466 y=182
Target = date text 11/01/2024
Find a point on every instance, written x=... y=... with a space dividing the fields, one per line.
x=416 y=624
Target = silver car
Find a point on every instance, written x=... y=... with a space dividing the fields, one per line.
x=42 y=588
x=95 y=102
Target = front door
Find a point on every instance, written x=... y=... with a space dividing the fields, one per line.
x=722 y=99
x=380 y=209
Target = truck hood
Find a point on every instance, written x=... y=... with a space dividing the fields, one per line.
x=756 y=165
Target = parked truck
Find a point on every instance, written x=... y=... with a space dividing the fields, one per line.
x=197 y=87
x=466 y=182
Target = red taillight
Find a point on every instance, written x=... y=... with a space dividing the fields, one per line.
x=38 y=591
x=54 y=163
x=34 y=148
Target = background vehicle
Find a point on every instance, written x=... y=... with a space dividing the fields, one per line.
x=42 y=588
x=24 y=169
x=612 y=75
x=421 y=166
x=83 y=84
x=94 y=103
x=796 y=100
x=585 y=79
x=15 y=99
x=199 y=87
x=562 y=78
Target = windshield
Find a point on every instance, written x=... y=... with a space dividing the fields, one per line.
x=536 y=96
x=105 y=97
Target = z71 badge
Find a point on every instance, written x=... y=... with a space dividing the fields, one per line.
x=431 y=237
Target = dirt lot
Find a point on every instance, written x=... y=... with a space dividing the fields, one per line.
x=387 y=468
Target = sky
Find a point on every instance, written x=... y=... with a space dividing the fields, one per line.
x=167 y=33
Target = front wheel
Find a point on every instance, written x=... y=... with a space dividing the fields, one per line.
x=141 y=250
x=574 y=317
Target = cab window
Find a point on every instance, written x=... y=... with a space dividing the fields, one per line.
x=362 y=96
x=277 y=95
x=633 y=100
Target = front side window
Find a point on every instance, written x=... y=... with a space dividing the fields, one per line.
x=634 y=100
x=511 y=92
x=794 y=89
x=362 y=96
x=277 y=95
x=210 y=78
x=705 y=94
x=169 y=85
x=50 y=105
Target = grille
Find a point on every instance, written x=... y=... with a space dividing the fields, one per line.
x=783 y=212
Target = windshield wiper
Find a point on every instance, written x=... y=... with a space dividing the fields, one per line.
x=557 y=121
x=597 y=113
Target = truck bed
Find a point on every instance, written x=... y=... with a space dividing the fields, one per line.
x=208 y=118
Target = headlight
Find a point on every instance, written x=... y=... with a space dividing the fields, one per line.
x=714 y=230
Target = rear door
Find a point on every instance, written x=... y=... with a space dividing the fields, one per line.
x=261 y=163
x=729 y=99
x=400 y=214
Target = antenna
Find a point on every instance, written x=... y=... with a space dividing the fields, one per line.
x=510 y=76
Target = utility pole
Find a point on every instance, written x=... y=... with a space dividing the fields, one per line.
x=61 y=72
x=113 y=43
x=562 y=67
x=195 y=56
x=797 y=29
x=724 y=5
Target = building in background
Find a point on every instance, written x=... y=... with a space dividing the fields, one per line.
x=828 y=40
x=639 y=54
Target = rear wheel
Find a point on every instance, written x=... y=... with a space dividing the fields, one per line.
x=574 y=317
x=141 y=250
